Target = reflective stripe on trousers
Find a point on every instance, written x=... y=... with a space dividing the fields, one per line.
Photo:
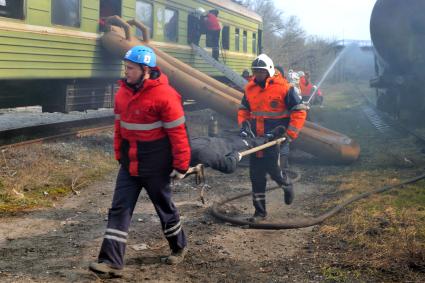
x=126 y=193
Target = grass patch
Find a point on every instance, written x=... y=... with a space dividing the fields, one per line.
x=382 y=236
x=336 y=274
x=38 y=175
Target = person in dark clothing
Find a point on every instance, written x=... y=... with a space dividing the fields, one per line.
x=213 y=32
x=223 y=153
x=246 y=75
x=195 y=26
x=152 y=146
x=220 y=153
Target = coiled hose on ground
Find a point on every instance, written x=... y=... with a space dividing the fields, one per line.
x=301 y=222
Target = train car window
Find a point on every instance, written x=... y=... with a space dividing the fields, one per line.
x=171 y=25
x=254 y=43
x=225 y=38
x=237 y=39
x=66 y=12
x=12 y=9
x=244 y=41
x=144 y=14
x=260 y=41
x=110 y=8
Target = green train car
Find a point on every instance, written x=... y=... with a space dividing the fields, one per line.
x=51 y=55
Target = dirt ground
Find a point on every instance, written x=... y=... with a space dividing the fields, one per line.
x=57 y=244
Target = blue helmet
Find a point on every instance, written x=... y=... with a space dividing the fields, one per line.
x=141 y=55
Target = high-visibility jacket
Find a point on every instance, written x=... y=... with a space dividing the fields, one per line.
x=274 y=105
x=150 y=133
x=306 y=87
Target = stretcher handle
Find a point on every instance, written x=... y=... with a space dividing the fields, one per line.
x=263 y=146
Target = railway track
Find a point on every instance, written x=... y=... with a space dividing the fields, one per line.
x=386 y=124
x=43 y=132
x=376 y=120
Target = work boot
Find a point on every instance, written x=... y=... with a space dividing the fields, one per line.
x=175 y=257
x=103 y=268
x=288 y=193
x=256 y=218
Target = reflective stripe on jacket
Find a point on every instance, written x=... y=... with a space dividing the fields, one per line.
x=274 y=105
x=149 y=126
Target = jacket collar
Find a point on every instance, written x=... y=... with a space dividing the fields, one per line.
x=276 y=79
x=157 y=78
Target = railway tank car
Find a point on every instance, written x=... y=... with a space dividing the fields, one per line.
x=398 y=34
x=51 y=54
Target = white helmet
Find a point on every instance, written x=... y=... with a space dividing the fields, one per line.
x=294 y=78
x=301 y=74
x=200 y=11
x=264 y=62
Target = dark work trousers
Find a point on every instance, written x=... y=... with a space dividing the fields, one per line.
x=126 y=193
x=259 y=167
x=213 y=39
x=284 y=158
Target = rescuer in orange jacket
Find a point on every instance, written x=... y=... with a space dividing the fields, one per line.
x=305 y=85
x=151 y=144
x=307 y=89
x=269 y=102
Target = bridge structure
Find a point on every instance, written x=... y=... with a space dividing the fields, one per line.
x=346 y=68
x=365 y=45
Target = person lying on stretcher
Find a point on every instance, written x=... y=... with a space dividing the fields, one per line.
x=223 y=154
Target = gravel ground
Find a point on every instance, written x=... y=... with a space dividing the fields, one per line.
x=13 y=118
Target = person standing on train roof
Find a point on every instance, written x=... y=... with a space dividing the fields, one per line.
x=269 y=101
x=213 y=32
x=151 y=144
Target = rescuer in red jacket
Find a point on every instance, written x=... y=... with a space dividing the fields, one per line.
x=305 y=85
x=151 y=144
x=213 y=32
x=269 y=102
x=307 y=89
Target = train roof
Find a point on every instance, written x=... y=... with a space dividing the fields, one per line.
x=234 y=7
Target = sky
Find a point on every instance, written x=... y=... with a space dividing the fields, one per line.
x=331 y=19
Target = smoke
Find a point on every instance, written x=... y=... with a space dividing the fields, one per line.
x=356 y=64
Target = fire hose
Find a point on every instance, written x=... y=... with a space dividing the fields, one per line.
x=294 y=223
x=301 y=222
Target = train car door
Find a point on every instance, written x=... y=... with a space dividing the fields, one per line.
x=225 y=37
x=260 y=41
x=110 y=8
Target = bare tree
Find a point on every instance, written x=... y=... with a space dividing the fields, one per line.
x=286 y=41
